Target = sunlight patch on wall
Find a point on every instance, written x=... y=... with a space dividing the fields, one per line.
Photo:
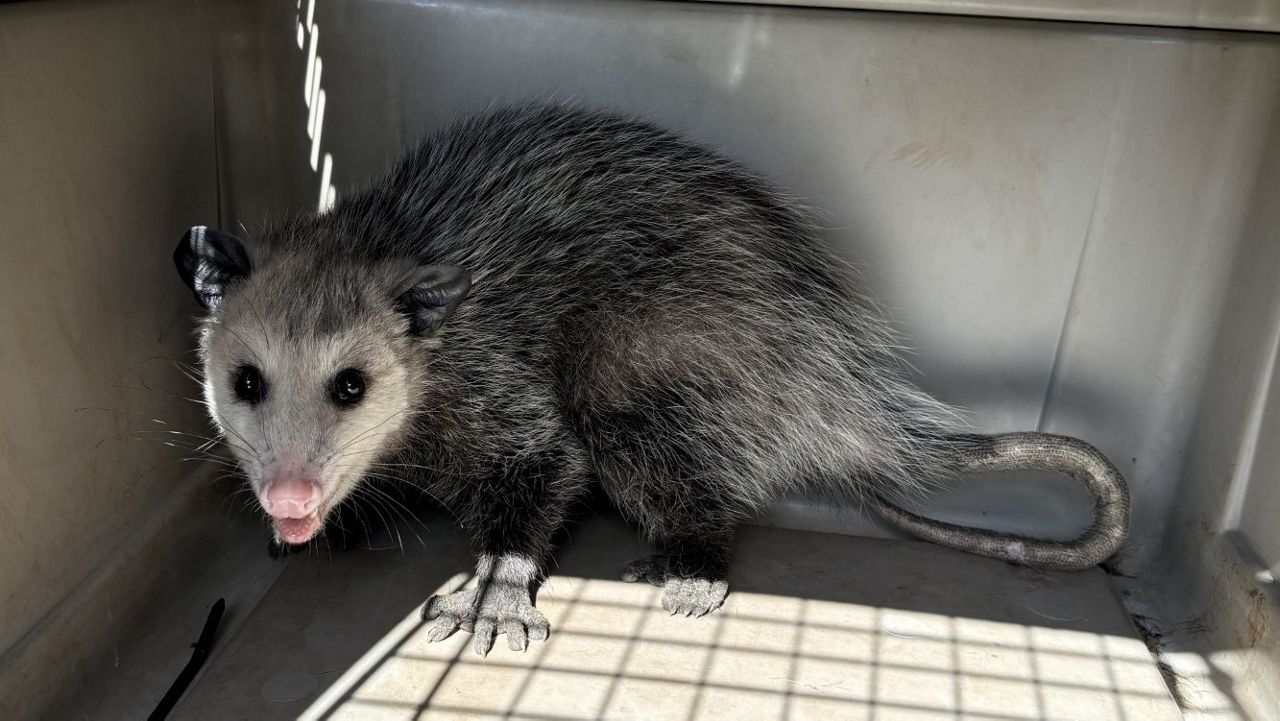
x=313 y=94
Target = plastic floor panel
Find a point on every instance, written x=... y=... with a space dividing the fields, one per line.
x=817 y=626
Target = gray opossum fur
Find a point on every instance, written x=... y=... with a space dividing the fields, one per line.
x=642 y=313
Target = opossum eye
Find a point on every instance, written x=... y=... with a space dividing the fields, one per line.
x=248 y=385
x=348 y=387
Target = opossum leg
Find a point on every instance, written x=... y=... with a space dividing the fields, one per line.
x=512 y=519
x=691 y=571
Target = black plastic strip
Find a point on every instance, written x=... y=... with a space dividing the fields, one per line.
x=201 y=647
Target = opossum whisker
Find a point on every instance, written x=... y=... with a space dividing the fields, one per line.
x=366 y=432
x=378 y=505
x=394 y=504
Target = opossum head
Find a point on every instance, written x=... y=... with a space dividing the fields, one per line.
x=314 y=364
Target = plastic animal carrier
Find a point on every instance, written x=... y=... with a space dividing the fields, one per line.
x=1070 y=210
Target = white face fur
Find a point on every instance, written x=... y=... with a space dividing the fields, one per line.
x=317 y=409
x=312 y=363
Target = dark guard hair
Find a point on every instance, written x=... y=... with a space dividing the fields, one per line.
x=641 y=313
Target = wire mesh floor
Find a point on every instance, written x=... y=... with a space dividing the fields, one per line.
x=816 y=626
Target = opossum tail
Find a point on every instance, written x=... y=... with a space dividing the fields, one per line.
x=1030 y=451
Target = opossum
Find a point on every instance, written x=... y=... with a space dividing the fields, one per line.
x=542 y=299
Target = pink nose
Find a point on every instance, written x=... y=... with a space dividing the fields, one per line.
x=291 y=498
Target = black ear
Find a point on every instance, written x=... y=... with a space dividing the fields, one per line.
x=210 y=260
x=431 y=294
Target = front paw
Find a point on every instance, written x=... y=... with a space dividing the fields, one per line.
x=486 y=612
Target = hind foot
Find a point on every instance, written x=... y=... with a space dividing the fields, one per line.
x=688 y=594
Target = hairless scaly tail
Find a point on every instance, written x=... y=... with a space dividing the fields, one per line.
x=1040 y=452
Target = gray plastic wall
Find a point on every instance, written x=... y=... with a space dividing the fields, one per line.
x=1050 y=211
x=1075 y=226
x=106 y=153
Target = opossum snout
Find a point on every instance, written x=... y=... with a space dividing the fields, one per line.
x=291 y=498
x=291 y=494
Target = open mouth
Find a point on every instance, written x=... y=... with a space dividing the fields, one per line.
x=298 y=530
